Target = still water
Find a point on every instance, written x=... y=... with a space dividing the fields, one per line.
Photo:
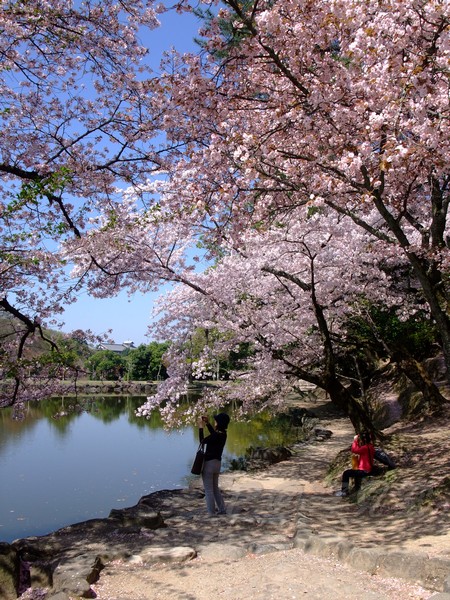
x=58 y=471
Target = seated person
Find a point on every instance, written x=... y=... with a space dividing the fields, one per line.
x=364 y=448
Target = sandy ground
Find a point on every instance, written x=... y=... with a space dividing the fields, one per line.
x=288 y=574
x=248 y=553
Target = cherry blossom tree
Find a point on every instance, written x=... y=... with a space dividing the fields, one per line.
x=340 y=104
x=288 y=292
x=293 y=113
x=306 y=153
x=77 y=124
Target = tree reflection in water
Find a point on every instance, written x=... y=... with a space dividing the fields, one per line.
x=68 y=461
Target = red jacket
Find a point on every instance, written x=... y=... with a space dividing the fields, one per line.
x=365 y=454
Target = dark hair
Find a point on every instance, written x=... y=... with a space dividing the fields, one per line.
x=222 y=420
x=365 y=437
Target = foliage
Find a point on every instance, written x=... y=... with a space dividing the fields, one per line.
x=383 y=331
x=146 y=362
x=203 y=345
x=106 y=364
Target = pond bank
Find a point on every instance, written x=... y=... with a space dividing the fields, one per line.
x=132 y=388
x=285 y=509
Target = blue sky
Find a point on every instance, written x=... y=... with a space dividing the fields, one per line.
x=128 y=317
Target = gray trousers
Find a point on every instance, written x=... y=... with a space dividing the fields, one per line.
x=213 y=496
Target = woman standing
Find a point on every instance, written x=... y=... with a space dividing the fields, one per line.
x=214 y=443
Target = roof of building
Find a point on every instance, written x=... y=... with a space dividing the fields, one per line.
x=117 y=347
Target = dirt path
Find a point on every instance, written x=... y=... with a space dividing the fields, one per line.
x=288 y=574
x=251 y=551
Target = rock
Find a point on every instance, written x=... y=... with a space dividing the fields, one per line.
x=447 y=584
x=322 y=434
x=76 y=576
x=413 y=567
x=217 y=552
x=243 y=520
x=268 y=455
x=177 y=554
x=269 y=547
x=9 y=571
x=328 y=548
x=137 y=516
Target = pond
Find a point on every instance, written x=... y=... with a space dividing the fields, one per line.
x=56 y=471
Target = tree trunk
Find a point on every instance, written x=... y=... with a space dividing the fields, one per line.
x=345 y=401
x=420 y=378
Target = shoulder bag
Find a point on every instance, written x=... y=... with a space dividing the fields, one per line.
x=197 y=466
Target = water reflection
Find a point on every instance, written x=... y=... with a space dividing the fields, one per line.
x=97 y=455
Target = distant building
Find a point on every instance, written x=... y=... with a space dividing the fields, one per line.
x=119 y=348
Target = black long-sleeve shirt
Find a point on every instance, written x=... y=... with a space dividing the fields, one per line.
x=215 y=442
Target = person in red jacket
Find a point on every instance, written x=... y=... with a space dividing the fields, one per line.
x=364 y=448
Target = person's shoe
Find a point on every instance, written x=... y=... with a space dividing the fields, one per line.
x=342 y=493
